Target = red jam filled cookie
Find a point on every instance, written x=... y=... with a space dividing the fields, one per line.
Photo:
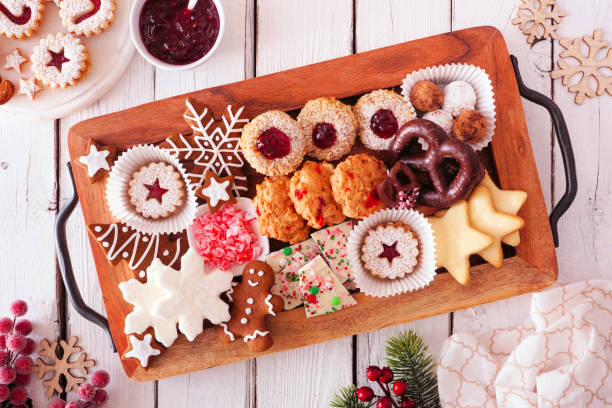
x=60 y=60
x=156 y=190
x=87 y=17
x=390 y=251
x=19 y=18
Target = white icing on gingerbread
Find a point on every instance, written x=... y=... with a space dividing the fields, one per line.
x=141 y=349
x=253 y=284
x=248 y=310
x=229 y=333
x=216 y=192
x=87 y=17
x=244 y=320
x=270 y=307
x=95 y=160
x=255 y=334
x=250 y=301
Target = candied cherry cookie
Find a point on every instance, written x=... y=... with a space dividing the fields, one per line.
x=390 y=251
x=87 y=17
x=19 y=18
x=276 y=216
x=354 y=183
x=380 y=114
x=60 y=60
x=312 y=196
x=273 y=143
x=329 y=126
x=156 y=190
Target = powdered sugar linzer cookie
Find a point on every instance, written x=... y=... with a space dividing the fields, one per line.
x=156 y=190
x=390 y=251
x=59 y=60
x=87 y=17
x=19 y=18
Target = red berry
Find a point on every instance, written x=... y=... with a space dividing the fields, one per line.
x=86 y=392
x=386 y=375
x=74 y=404
x=373 y=373
x=2 y=341
x=29 y=347
x=19 y=395
x=6 y=325
x=400 y=387
x=384 y=402
x=22 y=379
x=23 y=365
x=101 y=397
x=4 y=392
x=5 y=356
x=23 y=326
x=16 y=342
x=100 y=379
x=58 y=403
x=7 y=375
x=364 y=394
x=407 y=404
x=19 y=308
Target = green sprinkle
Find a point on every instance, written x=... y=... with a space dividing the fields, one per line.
x=335 y=301
x=314 y=290
x=333 y=237
x=287 y=251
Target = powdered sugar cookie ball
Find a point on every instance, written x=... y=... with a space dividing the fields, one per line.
x=380 y=114
x=19 y=18
x=87 y=17
x=273 y=143
x=59 y=60
x=329 y=127
x=441 y=118
x=458 y=96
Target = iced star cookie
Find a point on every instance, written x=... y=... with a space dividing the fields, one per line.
x=98 y=160
x=156 y=190
x=142 y=349
x=14 y=60
x=20 y=18
x=59 y=60
x=216 y=191
x=87 y=17
x=332 y=242
x=390 y=251
x=311 y=193
x=29 y=87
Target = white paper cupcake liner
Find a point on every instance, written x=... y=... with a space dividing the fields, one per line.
x=425 y=270
x=442 y=75
x=118 y=199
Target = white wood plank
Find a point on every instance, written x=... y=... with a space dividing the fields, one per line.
x=133 y=89
x=289 y=34
x=586 y=229
x=534 y=63
x=27 y=215
x=227 y=386
x=380 y=24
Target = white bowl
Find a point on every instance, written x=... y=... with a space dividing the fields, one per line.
x=142 y=50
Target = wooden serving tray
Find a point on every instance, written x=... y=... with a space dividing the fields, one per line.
x=533 y=267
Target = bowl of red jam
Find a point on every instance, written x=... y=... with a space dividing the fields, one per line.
x=172 y=37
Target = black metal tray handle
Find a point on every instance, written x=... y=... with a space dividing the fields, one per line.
x=564 y=203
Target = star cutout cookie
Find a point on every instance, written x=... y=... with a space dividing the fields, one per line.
x=141 y=349
x=485 y=218
x=217 y=191
x=14 y=60
x=507 y=201
x=29 y=87
x=456 y=240
x=98 y=160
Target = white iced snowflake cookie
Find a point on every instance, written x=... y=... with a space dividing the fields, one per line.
x=19 y=18
x=156 y=190
x=390 y=251
x=59 y=60
x=87 y=17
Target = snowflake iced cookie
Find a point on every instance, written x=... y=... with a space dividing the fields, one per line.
x=217 y=191
x=156 y=190
x=14 y=60
x=390 y=251
x=20 y=18
x=332 y=242
x=29 y=87
x=252 y=302
x=141 y=349
x=323 y=292
x=214 y=146
x=98 y=160
x=87 y=17
x=59 y=60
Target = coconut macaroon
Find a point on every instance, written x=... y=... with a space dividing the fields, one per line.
x=329 y=128
x=273 y=143
x=380 y=114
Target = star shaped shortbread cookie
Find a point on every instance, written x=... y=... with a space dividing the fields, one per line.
x=456 y=240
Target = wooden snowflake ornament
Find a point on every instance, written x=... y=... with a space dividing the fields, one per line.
x=589 y=66
x=62 y=367
x=537 y=21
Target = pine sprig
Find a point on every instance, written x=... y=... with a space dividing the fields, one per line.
x=346 y=398
x=410 y=361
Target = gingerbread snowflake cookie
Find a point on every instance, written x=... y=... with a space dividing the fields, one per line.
x=60 y=60
x=87 y=17
x=156 y=190
x=20 y=18
x=98 y=160
x=253 y=301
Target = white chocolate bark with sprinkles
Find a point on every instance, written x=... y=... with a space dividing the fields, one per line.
x=332 y=242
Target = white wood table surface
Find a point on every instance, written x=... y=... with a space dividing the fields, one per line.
x=265 y=36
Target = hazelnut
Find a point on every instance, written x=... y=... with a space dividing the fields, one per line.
x=426 y=96
x=7 y=90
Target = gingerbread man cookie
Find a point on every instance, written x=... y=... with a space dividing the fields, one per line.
x=253 y=301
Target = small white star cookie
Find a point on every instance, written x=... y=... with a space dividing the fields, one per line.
x=29 y=87
x=141 y=350
x=14 y=60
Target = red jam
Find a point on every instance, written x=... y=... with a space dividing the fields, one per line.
x=273 y=144
x=57 y=60
x=26 y=14
x=155 y=191
x=176 y=35
x=85 y=16
x=389 y=252
x=323 y=135
x=383 y=123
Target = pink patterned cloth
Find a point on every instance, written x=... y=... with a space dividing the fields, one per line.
x=560 y=357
